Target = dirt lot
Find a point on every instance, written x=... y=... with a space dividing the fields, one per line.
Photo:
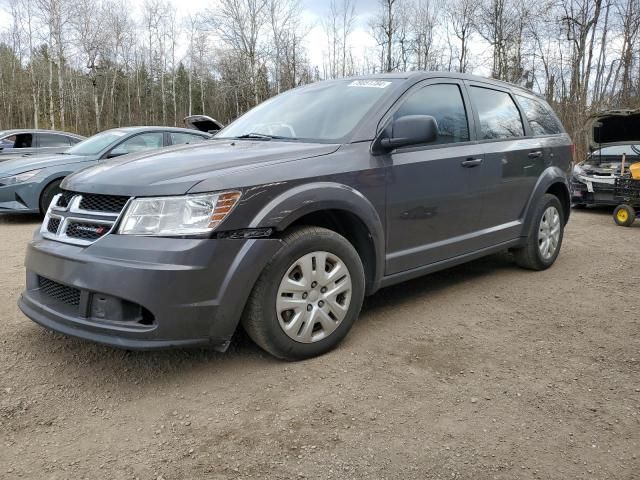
x=484 y=371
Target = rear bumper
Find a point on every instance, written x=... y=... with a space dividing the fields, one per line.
x=143 y=292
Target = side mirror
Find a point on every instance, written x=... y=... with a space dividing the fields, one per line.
x=116 y=152
x=411 y=130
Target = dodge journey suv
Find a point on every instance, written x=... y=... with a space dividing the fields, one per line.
x=289 y=216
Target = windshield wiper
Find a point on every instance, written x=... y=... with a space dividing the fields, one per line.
x=263 y=136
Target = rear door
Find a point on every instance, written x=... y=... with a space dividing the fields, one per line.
x=51 y=143
x=513 y=161
x=428 y=200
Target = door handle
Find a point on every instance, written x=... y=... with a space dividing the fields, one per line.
x=471 y=162
x=535 y=154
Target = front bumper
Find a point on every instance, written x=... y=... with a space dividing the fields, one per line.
x=143 y=292
x=592 y=191
x=20 y=198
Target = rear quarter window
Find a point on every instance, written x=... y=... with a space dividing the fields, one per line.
x=541 y=119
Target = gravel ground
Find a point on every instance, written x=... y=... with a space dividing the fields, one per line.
x=483 y=371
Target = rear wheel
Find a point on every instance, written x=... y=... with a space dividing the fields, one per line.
x=545 y=234
x=624 y=215
x=308 y=296
x=47 y=195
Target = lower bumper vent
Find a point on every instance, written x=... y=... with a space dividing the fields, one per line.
x=59 y=292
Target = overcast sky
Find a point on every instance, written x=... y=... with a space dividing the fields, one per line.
x=314 y=12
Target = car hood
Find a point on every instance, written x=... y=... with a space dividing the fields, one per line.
x=24 y=164
x=613 y=127
x=175 y=170
x=203 y=123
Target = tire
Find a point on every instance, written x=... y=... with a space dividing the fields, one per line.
x=47 y=195
x=312 y=326
x=535 y=255
x=624 y=215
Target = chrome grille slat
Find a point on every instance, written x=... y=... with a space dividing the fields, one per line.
x=72 y=219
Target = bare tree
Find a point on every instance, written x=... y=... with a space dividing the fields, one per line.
x=240 y=25
x=461 y=17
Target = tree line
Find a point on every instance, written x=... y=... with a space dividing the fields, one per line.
x=88 y=65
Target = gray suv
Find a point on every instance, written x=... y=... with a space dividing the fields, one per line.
x=293 y=213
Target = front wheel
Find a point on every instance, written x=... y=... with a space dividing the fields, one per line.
x=308 y=296
x=545 y=235
x=47 y=195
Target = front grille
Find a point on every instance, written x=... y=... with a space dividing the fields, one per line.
x=82 y=218
x=64 y=199
x=59 y=292
x=602 y=187
x=103 y=203
x=86 y=231
x=53 y=225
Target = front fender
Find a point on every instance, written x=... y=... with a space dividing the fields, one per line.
x=553 y=177
x=301 y=200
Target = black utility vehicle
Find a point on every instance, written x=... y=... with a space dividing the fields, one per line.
x=293 y=213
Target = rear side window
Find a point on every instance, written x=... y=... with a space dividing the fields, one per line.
x=50 y=140
x=499 y=116
x=542 y=121
x=178 y=138
x=444 y=103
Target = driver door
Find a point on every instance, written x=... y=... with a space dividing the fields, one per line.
x=429 y=206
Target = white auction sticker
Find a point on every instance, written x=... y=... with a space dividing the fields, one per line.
x=370 y=83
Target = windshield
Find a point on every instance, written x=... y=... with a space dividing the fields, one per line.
x=96 y=144
x=322 y=112
x=614 y=153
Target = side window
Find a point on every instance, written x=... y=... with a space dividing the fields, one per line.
x=140 y=143
x=23 y=140
x=8 y=142
x=499 y=116
x=51 y=140
x=542 y=121
x=178 y=138
x=444 y=103
x=74 y=140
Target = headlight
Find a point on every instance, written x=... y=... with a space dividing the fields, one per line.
x=170 y=216
x=19 y=178
x=578 y=170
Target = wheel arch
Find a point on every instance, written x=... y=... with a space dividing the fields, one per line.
x=337 y=207
x=554 y=181
x=57 y=177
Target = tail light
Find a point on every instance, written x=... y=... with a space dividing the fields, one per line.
x=573 y=154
